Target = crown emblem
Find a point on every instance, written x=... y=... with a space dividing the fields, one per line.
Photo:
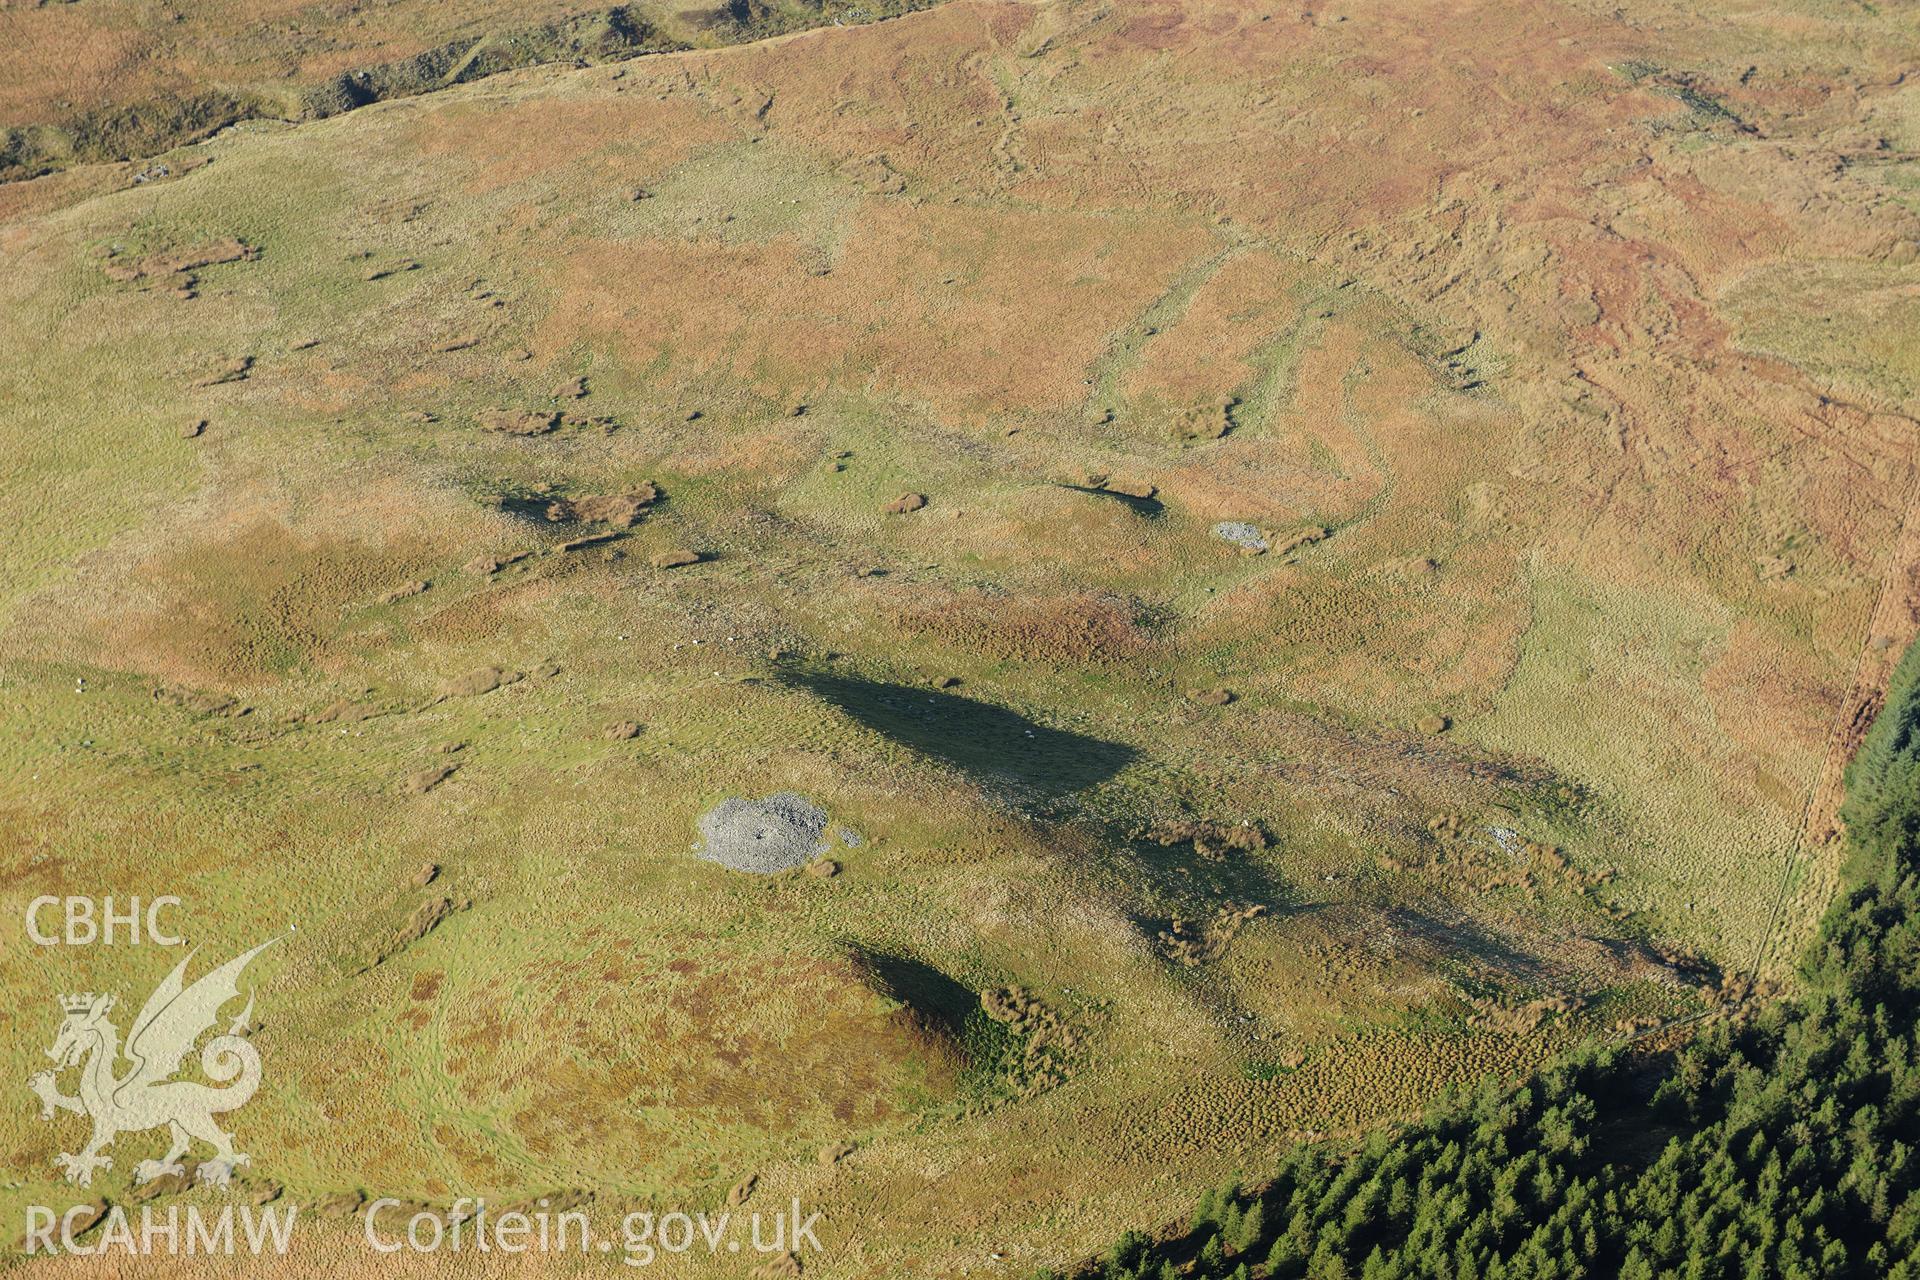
x=175 y=1018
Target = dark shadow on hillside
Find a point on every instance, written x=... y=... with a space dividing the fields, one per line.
x=1174 y=880
x=1148 y=507
x=1186 y=882
x=998 y=748
x=934 y=1000
x=528 y=506
x=1458 y=936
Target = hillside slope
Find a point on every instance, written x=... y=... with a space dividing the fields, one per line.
x=497 y=480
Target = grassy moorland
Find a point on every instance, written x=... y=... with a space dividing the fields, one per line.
x=125 y=80
x=1775 y=1143
x=1324 y=556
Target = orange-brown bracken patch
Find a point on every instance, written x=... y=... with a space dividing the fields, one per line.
x=255 y=604
x=1211 y=351
x=967 y=310
x=612 y=140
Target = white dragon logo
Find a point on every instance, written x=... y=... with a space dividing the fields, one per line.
x=174 y=1017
